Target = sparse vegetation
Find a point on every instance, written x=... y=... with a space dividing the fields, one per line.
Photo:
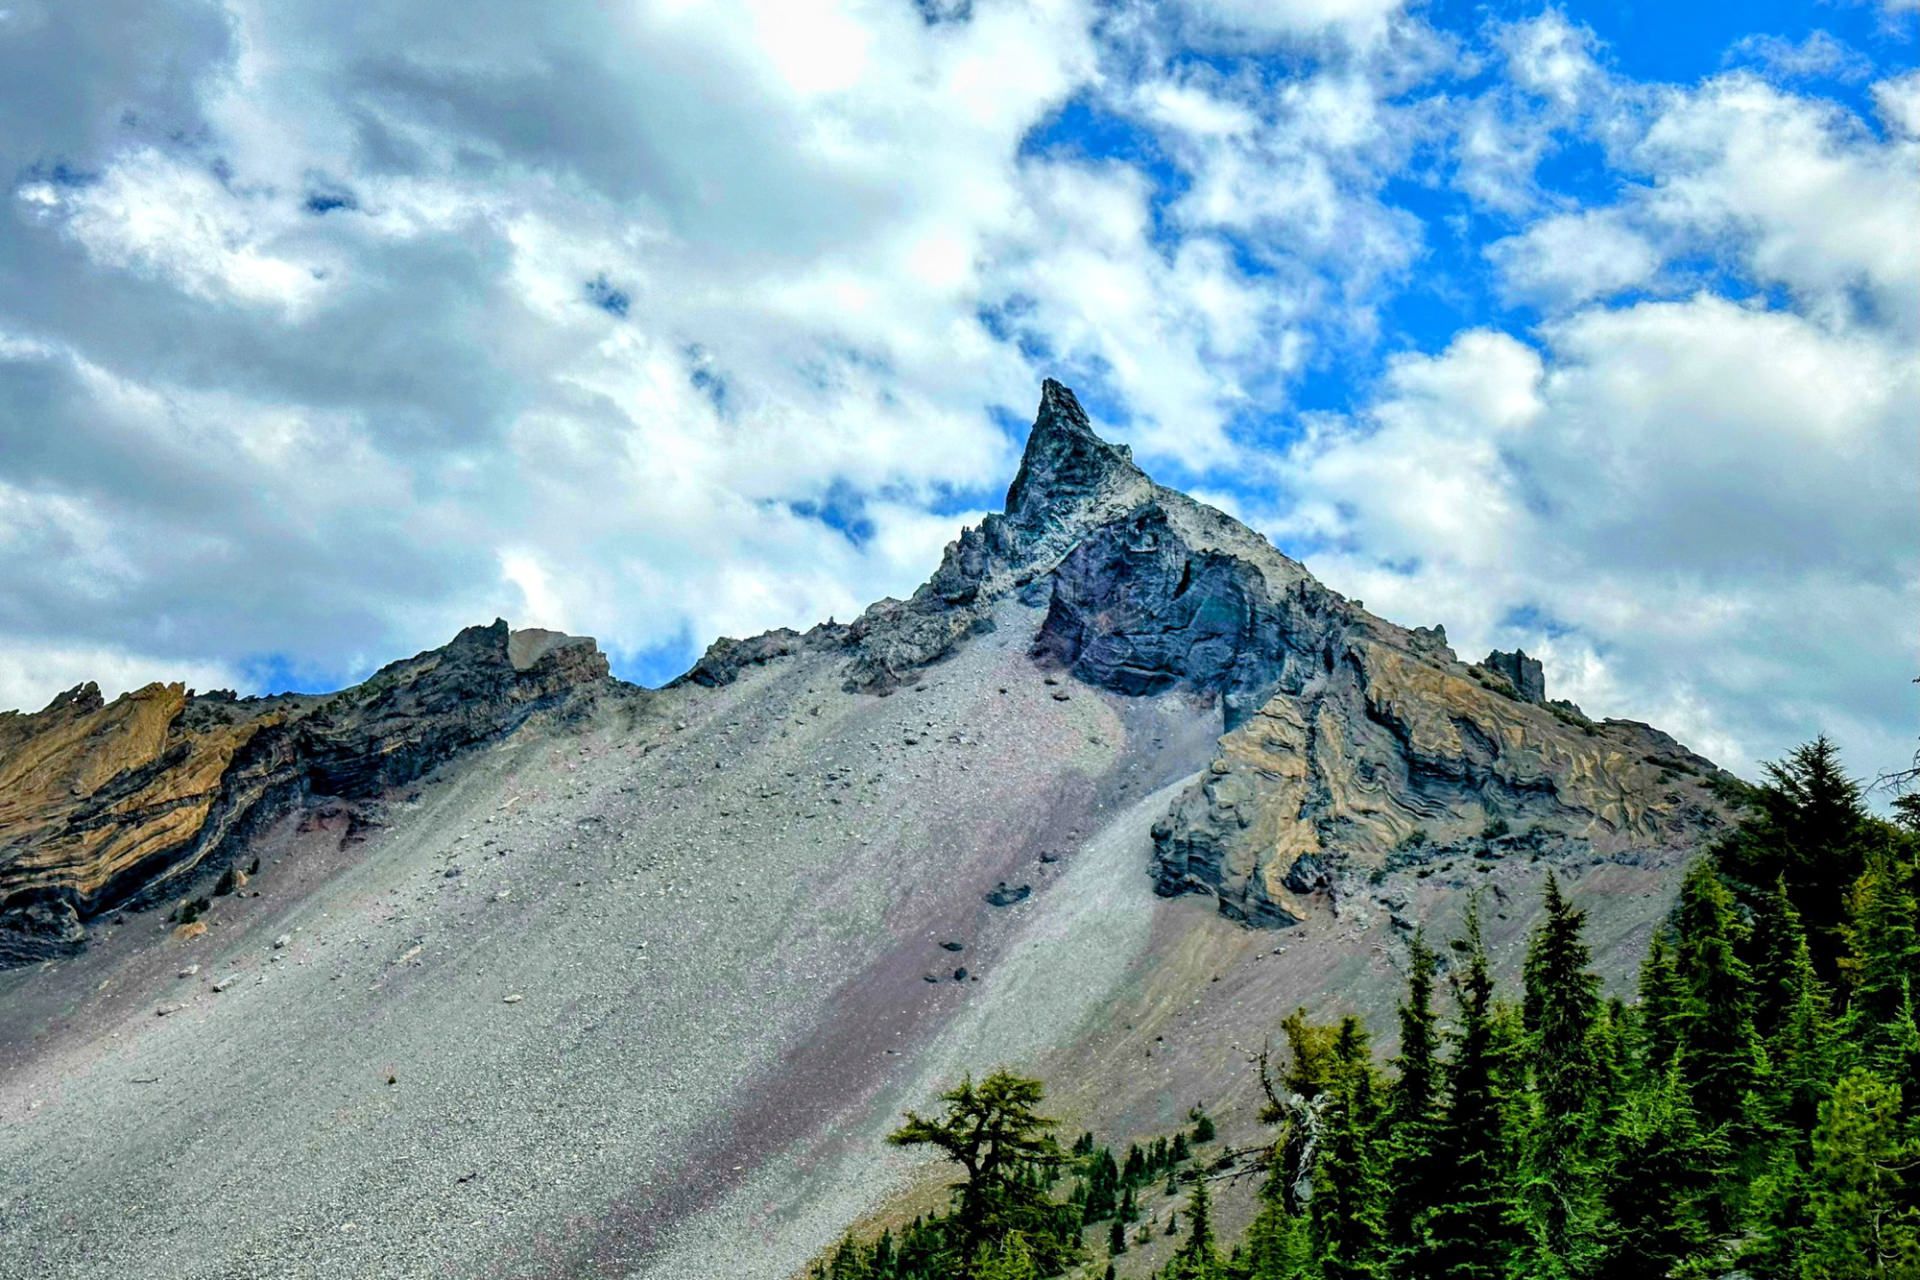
x=1755 y=1111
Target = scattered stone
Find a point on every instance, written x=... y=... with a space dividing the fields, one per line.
x=226 y=982
x=953 y=946
x=515 y=998
x=960 y=974
x=166 y=1009
x=189 y=971
x=1005 y=895
x=280 y=943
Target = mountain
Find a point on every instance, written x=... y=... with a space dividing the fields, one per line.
x=519 y=970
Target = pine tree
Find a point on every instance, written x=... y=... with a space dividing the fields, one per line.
x=994 y=1132
x=1279 y=1244
x=1413 y=1118
x=1883 y=945
x=1117 y=1237
x=1348 y=1194
x=1862 y=1220
x=1660 y=1179
x=1805 y=831
x=1776 y=939
x=1559 y=1177
x=1471 y=1233
x=1198 y=1257
x=1662 y=1015
x=1720 y=1051
x=1803 y=1051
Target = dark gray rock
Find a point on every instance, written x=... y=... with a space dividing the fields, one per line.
x=1520 y=671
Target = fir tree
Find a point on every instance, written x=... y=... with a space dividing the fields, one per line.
x=1883 y=945
x=1662 y=1014
x=1805 y=830
x=994 y=1132
x=1719 y=1049
x=1471 y=1232
x=1560 y=1191
x=1348 y=1193
x=1413 y=1117
x=1198 y=1257
x=1660 y=1179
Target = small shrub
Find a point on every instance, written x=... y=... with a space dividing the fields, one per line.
x=1495 y=829
x=227 y=884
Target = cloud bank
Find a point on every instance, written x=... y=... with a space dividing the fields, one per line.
x=324 y=335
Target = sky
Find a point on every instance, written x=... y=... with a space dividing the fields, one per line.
x=326 y=330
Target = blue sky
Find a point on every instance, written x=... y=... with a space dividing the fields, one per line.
x=1589 y=328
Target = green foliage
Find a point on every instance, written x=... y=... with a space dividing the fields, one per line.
x=995 y=1133
x=1471 y=1232
x=1413 y=1119
x=1860 y=1197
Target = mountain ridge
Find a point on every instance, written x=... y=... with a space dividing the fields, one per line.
x=1146 y=591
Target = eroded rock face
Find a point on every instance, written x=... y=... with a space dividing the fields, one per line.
x=1350 y=745
x=1396 y=759
x=104 y=804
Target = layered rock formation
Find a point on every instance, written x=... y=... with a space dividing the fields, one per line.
x=1350 y=743
x=109 y=804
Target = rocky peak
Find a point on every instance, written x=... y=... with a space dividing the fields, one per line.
x=1523 y=673
x=1066 y=467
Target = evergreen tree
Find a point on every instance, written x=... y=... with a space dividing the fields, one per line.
x=1348 y=1193
x=1660 y=1179
x=1198 y=1257
x=1560 y=1190
x=1720 y=1051
x=1883 y=945
x=1471 y=1233
x=1777 y=937
x=1279 y=1244
x=1803 y=1050
x=1413 y=1119
x=1863 y=1223
x=1662 y=1015
x=1805 y=830
x=995 y=1133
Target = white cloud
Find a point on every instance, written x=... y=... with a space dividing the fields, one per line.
x=664 y=320
x=1716 y=503
x=1818 y=55
x=1571 y=258
x=161 y=214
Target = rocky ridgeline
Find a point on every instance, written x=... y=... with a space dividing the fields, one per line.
x=126 y=803
x=1351 y=745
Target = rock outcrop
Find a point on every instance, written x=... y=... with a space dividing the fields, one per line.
x=104 y=804
x=1525 y=674
x=1350 y=744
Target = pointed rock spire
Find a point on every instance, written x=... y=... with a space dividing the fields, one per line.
x=1066 y=466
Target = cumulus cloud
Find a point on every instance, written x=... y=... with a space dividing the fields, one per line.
x=322 y=339
x=1708 y=509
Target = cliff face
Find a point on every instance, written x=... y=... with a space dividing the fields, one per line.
x=1350 y=745
x=105 y=804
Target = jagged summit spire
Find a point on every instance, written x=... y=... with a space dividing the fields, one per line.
x=1065 y=463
